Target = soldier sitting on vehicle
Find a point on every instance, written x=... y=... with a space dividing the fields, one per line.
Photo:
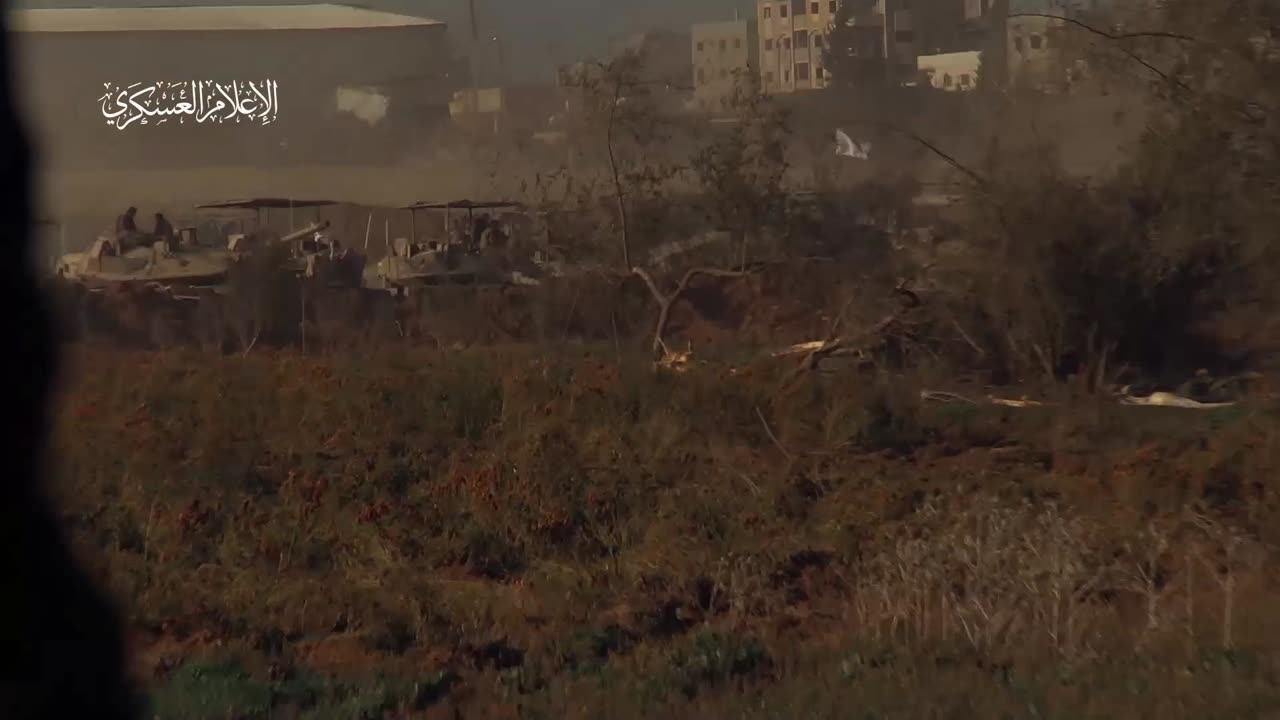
x=127 y=235
x=162 y=227
x=126 y=223
x=164 y=231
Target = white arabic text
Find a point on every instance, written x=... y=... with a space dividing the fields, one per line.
x=202 y=101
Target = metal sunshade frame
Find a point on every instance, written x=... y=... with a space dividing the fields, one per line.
x=449 y=206
x=263 y=204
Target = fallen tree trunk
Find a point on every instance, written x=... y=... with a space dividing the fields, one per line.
x=836 y=345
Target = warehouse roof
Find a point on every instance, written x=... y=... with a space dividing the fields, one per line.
x=326 y=16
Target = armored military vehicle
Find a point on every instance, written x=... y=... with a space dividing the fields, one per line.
x=154 y=262
x=465 y=254
x=313 y=251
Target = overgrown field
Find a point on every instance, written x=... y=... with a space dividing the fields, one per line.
x=499 y=533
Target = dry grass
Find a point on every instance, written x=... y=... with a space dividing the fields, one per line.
x=513 y=533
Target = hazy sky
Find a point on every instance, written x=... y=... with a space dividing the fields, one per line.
x=539 y=33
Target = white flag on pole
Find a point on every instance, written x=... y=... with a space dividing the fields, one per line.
x=847 y=147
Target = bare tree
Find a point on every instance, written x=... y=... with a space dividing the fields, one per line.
x=741 y=170
x=618 y=110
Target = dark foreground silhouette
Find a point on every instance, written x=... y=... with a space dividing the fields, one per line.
x=61 y=641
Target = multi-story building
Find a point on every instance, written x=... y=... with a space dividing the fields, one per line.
x=725 y=55
x=976 y=9
x=1033 y=53
x=1028 y=47
x=664 y=54
x=1043 y=50
x=662 y=71
x=794 y=38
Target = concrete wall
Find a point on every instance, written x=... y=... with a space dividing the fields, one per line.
x=953 y=72
x=403 y=68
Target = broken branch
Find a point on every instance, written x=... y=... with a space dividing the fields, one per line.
x=665 y=302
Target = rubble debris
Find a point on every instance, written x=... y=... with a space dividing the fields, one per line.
x=1020 y=403
x=1168 y=399
x=803 y=347
x=1156 y=399
x=676 y=361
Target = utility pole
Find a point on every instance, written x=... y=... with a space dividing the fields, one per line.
x=474 y=92
x=888 y=56
x=500 y=82
x=995 y=57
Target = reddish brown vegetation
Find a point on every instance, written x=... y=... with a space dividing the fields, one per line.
x=461 y=512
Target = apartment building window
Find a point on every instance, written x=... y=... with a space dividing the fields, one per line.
x=702 y=77
x=1017 y=44
x=834 y=6
x=818 y=40
x=768 y=44
x=768 y=77
x=802 y=38
x=737 y=43
x=782 y=10
x=786 y=75
x=965 y=80
x=813 y=8
x=802 y=72
x=904 y=36
x=722 y=46
x=946 y=80
x=786 y=43
x=799 y=7
x=818 y=72
x=768 y=12
x=1036 y=42
x=699 y=46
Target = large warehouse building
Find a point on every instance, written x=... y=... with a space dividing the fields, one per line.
x=232 y=85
